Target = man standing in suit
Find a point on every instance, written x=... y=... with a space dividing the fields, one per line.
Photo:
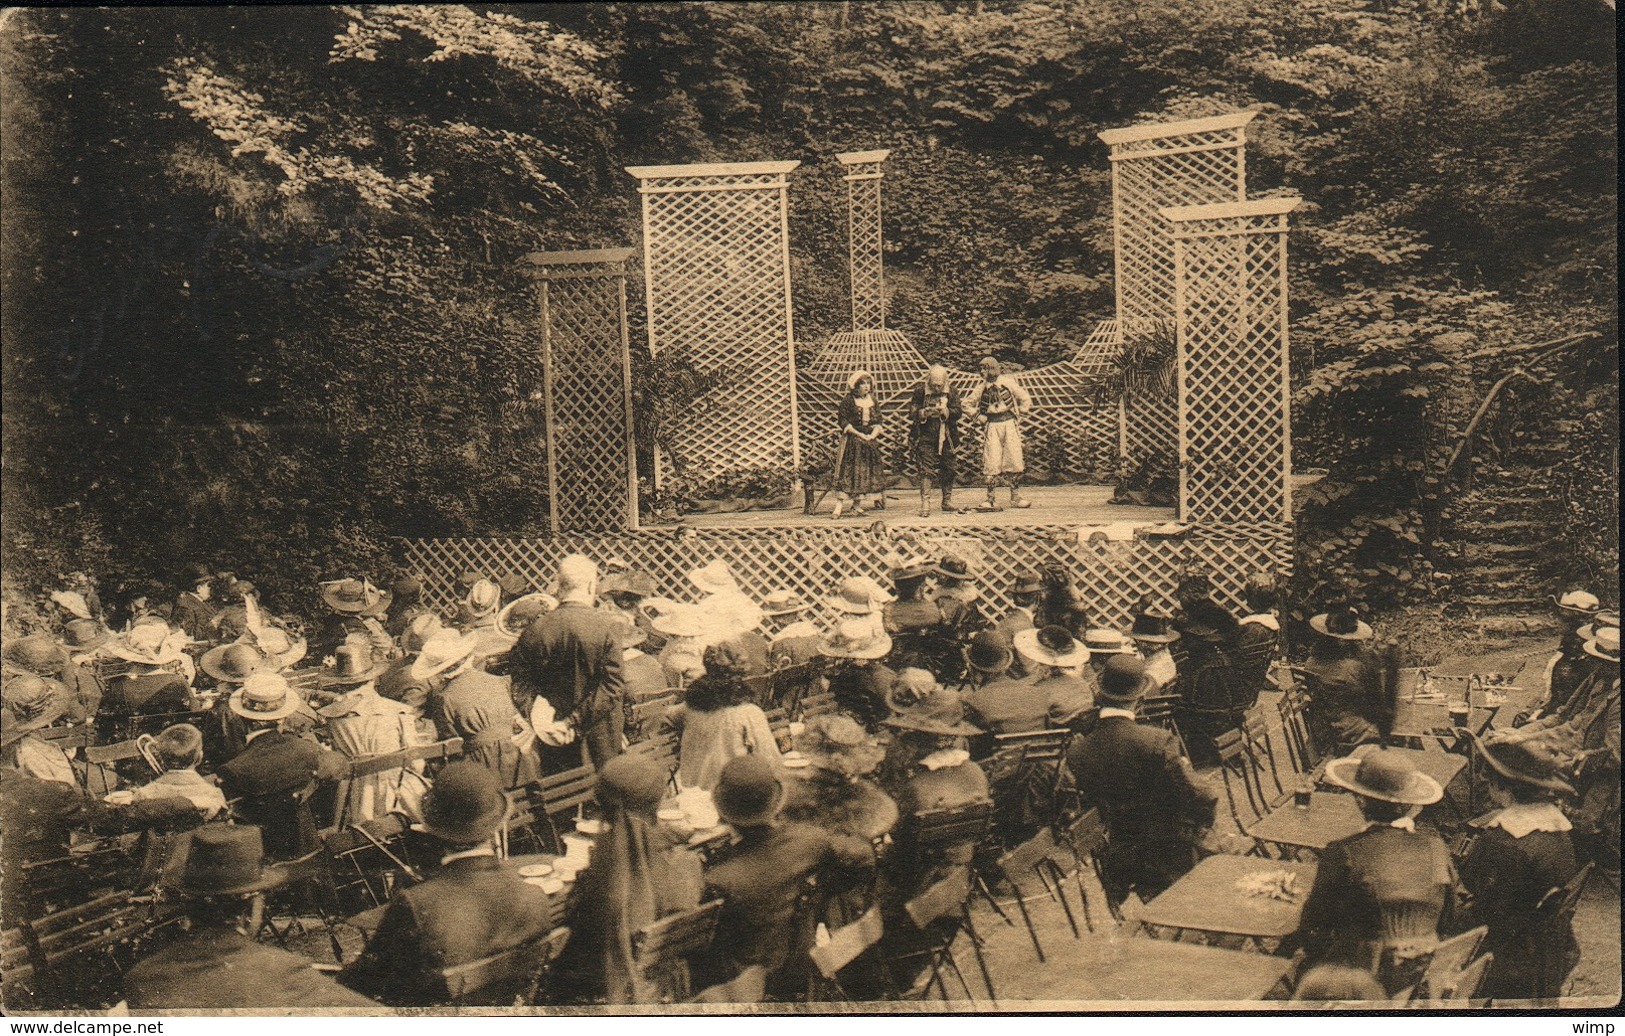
x=1154 y=805
x=473 y=907
x=275 y=773
x=571 y=659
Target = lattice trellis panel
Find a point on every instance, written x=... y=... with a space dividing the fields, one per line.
x=717 y=272
x=812 y=561
x=1235 y=421
x=587 y=389
x=864 y=236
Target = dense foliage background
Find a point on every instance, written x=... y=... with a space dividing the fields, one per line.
x=261 y=301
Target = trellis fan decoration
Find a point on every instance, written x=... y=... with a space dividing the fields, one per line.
x=1154 y=166
x=716 y=267
x=587 y=390
x=1235 y=441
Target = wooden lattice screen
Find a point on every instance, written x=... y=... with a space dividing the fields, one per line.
x=1234 y=389
x=1154 y=166
x=716 y=266
x=864 y=237
x=587 y=390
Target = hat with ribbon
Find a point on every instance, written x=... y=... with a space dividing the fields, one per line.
x=911 y=568
x=857 y=376
x=1341 y=624
x=223 y=860
x=232 y=663
x=1154 y=627
x=34 y=702
x=957 y=569
x=352 y=666
x=749 y=792
x=1106 y=642
x=85 y=635
x=855 y=638
x=783 y=602
x=518 y=614
x=1604 y=644
x=355 y=597
x=151 y=643
x=837 y=743
x=1602 y=620
x=264 y=697
x=1524 y=763
x=1051 y=646
x=280 y=648
x=37 y=654
x=852 y=597
x=941 y=713
x=989 y=652
x=1578 y=602
x=1385 y=776
x=484 y=598
x=715 y=578
x=442 y=651
x=465 y=806
x=1123 y=682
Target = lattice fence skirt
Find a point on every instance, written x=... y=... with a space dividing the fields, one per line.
x=811 y=561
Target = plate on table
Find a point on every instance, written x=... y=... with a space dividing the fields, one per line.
x=590 y=827
x=551 y=886
x=536 y=870
x=672 y=815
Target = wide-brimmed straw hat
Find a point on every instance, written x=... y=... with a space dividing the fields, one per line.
x=34 y=702
x=232 y=663
x=223 y=860
x=942 y=713
x=854 y=638
x=465 y=806
x=680 y=620
x=352 y=666
x=519 y=613
x=1123 y=682
x=355 y=597
x=783 y=602
x=1578 y=602
x=37 y=654
x=911 y=686
x=852 y=597
x=1103 y=641
x=837 y=743
x=1385 y=776
x=423 y=626
x=442 y=651
x=1523 y=763
x=151 y=643
x=1604 y=644
x=1341 y=624
x=280 y=648
x=715 y=578
x=989 y=652
x=72 y=602
x=911 y=568
x=749 y=792
x=1051 y=646
x=264 y=697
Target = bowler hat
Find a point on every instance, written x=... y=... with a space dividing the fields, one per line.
x=264 y=697
x=1123 y=682
x=748 y=792
x=232 y=663
x=989 y=652
x=1519 y=761
x=405 y=586
x=1386 y=776
x=85 y=635
x=466 y=804
x=1341 y=624
x=224 y=860
x=942 y=713
x=631 y=781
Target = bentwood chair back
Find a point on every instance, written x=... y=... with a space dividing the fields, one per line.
x=1449 y=958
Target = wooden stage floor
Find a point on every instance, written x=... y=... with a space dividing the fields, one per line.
x=1052 y=505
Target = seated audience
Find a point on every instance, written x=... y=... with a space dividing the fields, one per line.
x=362 y=723
x=857 y=679
x=719 y=721
x=179 y=750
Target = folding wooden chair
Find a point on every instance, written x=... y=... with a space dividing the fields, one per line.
x=661 y=951
x=1236 y=766
x=946 y=900
x=643 y=719
x=366 y=863
x=561 y=798
x=662 y=750
x=761 y=689
x=792 y=682
x=521 y=834
x=64 y=882
x=1442 y=970
x=1033 y=855
x=95 y=940
x=432 y=753
x=1256 y=737
x=1085 y=837
x=511 y=978
x=934 y=832
x=846 y=944
x=778 y=722
x=103 y=770
x=819 y=702
x=1158 y=710
x=1302 y=752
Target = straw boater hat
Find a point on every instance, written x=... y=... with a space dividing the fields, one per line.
x=1385 y=776
x=484 y=598
x=1578 y=602
x=989 y=652
x=1521 y=762
x=837 y=743
x=442 y=651
x=150 y=643
x=1106 y=642
x=1604 y=644
x=680 y=620
x=943 y=714
x=519 y=613
x=715 y=578
x=1123 y=682
x=748 y=792
x=232 y=663
x=224 y=860
x=783 y=602
x=1051 y=646
x=1341 y=624
x=855 y=639
x=37 y=654
x=264 y=697
x=465 y=806
x=352 y=666
x=34 y=702
x=355 y=597
x=1602 y=620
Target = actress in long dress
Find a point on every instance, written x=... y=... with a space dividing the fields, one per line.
x=859 y=472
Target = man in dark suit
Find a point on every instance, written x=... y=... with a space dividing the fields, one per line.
x=1154 y=805
x=215 y=967
x=572 y=657
x=473 y=907
x=1023 y=601
x=760 y=880
x=194 y=611
x=275 y=774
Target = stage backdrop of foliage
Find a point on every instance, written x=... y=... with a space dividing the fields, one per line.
x=261 y=308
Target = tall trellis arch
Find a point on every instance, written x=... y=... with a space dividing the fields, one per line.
x=1154 y=166
x=1230 y=303
x=865 y=240
x=587 y=390
x=716 y=267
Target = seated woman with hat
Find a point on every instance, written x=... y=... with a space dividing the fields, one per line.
x=928 y=767
x=719 y=720
x=833 y=791
x=1381 y=897
x=859 y=682
x=1353 y=695
x=686 y=633
x=861 y=599
x=216 y=965
x=1568 y=667
x=149 y=684
x=913 y=620
x=1213 y=695
x=1153 y=633
x=79 y=692
x=792 y=640
x=1522 y=852
x=474 y=906
x=362 y=723
x=356 y=609
x=31 y=704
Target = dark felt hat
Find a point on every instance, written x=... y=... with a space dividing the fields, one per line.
x=749 y=792
x=233 y=662
x=1521 y=762
x=989 y=652
x=942 y=713
x=466 y=804
x=223 y=860
x=1123 y=682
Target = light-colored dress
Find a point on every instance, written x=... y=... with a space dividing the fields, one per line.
x=712 y=739
x=363 y=724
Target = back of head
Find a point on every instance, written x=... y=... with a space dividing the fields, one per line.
x=179 y=746
x=1338 y=982
x=577 y=576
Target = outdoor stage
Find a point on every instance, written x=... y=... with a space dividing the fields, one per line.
x=1052 y=506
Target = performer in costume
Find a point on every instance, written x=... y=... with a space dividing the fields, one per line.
x=858 y=467
x=1000 y=401
x=934 y=411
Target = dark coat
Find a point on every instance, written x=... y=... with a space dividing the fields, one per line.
x=1012 y=622
x=1507 y=876
x=472 y=908
x=145 y=695
x=926 y=424
x=195 y=616
x=270 y=777
x=1009 y=706
x=1154 y=805
x=217 y=969
x=860 y=691
x=476 y=707
x=570 y=657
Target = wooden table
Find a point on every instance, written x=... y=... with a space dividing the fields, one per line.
x=1421 y=718
x=1207 y=900
x=1176 y=972
x=1328 y=817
